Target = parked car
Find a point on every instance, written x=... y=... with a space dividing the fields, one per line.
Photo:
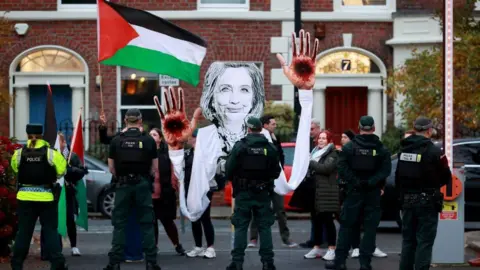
x=100 y=195
x=288 y=149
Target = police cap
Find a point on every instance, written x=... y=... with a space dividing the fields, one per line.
x=133 y=115
x=422 y=124
x=254 y=124
x=34 y=129
x=366 y=123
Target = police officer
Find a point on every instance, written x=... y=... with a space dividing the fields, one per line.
x=421 y=171
x=38 y=167
x=363 y=164
x=132 y=159
x=252 y=165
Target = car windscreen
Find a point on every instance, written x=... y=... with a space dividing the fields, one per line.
x=288 y=152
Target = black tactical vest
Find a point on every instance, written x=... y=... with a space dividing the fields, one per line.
x=411 y=167
x=254 y=163
x=131 y=156
x=364 y=159
x=34 y=168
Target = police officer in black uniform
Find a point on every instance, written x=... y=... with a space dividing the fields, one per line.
x=363 y=164
x=132 y=160
x=253 y=165
x=421 y=171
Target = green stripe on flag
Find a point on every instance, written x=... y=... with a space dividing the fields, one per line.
x=62 y=213
x=156 y=62
x=82 y=218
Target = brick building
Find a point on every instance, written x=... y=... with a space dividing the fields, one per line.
x=360 y=41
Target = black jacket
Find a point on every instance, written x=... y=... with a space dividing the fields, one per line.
x=278 y=144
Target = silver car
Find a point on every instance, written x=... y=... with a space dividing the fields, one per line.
x=100 y=195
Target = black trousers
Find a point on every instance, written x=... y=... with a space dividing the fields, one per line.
x=71 y=225
x=205 y=221
x=28 y=213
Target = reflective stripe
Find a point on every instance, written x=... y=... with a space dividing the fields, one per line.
x=35 y=196
x=50 y=157
x=19 y=156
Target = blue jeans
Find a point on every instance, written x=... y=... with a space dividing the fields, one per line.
x=133 y=238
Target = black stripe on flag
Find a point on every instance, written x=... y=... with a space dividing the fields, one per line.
x=149 y=21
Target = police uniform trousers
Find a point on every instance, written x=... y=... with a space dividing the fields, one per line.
x=138 y=196
x=419 y=229
x=356 y=202
x=28 y=212
x=258 y=204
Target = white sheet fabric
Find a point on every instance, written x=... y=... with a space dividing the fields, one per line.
x=301 y=156
x=208 y=150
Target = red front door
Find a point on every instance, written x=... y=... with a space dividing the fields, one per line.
x=344 y=107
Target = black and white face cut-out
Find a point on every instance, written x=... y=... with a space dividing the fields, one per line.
x=232 y=93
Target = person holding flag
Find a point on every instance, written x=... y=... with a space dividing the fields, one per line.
x=37 y=167
x=75 y=173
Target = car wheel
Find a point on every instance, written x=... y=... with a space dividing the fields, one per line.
x=106 y=202
x=399 y=219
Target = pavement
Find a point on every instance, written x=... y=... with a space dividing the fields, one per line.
x=95 y=244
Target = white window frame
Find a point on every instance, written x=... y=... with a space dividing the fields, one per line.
x=121 y=107
x=223 y=7
x=61 y=6
x=389 y=7
x=477 y=5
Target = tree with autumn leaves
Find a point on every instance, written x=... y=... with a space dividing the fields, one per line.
x=420 y=80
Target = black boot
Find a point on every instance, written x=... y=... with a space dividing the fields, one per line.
x=333 y=266
x=153 y=266
x=268 y=266
x=235 y=266
x=180 y=250
x=112 y=267
x=63 y=267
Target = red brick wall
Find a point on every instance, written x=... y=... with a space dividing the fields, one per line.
x=14 y=5
x=425 y=4
x=317 y=5
x=228 y=41
x=159 y=5
x=370 y=36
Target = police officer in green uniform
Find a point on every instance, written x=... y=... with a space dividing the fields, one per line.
x=37 y=167
x=253 y=165
x=363 y=164
x=421 y=171
x=132 y=160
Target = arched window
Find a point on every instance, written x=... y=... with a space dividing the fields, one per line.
x=50 y=60
x=346 y=62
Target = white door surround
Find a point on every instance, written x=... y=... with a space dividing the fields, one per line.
x=377 y=98
x=19 y=86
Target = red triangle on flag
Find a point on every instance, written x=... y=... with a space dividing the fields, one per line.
x=77 y=141
x=114 y=32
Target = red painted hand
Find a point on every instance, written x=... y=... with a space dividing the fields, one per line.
x=301 y=71
x=175 y=125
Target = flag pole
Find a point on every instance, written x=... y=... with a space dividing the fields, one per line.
x=101 y=88
x=75 y=133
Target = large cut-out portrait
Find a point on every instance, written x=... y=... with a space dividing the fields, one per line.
x=232 y=92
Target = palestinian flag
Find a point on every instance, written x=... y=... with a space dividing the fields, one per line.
x=137 y=39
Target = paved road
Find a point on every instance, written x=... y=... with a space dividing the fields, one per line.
x=95 y=244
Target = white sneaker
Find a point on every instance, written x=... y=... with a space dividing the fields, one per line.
x=76 y=252
x=196 y=252
x=313 y=254
x=355 y=253
x=252 y=244
x=210 y=253
x=379 y=254
x=330 y=255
